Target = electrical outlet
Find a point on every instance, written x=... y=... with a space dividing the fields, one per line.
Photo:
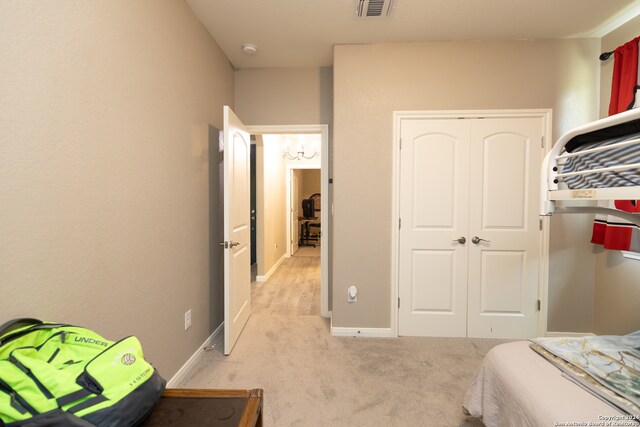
x=352 y=294
x=187 y=319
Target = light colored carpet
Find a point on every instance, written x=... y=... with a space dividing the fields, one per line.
x=308 y=251
x=293 y=289
x=311 y=378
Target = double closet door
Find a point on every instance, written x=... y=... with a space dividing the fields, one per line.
x=469 y=241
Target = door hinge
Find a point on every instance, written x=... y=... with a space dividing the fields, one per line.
x=539 y=305
x=401 y=143
x=542 y=142
x=398 y=302
x=399 y=223
x=540 y=224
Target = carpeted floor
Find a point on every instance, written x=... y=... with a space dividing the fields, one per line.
x=308 y=251
x=311 y=378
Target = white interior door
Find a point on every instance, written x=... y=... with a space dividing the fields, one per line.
x=434 y=198
x=237 y=226
x=503 y=268
x=295 y=213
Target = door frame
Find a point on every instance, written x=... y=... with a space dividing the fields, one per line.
x=325 y=218
x=543 y=265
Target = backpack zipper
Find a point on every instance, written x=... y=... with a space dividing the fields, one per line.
x=43 y=389
x=17 y=402
x=12 y=337
x=30 y=374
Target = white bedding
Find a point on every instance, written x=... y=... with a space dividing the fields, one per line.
x=517 y=387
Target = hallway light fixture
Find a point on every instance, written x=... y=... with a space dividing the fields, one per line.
x=300 y=152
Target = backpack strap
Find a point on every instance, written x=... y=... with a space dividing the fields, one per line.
x=20 y=327
x=18 y=323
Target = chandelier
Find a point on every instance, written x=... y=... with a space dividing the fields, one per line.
x=300 y=153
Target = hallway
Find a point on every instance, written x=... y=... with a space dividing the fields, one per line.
x=294 y=289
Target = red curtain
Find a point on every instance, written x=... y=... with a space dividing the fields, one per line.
x=625 y=77
x=612 y=232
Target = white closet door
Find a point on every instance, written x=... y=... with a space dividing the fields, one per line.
x=434 y=197
x=504 y=196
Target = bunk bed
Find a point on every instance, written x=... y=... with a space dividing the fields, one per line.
x=597 y=161
x=557 y=381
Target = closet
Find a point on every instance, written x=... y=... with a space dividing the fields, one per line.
x=469 y=237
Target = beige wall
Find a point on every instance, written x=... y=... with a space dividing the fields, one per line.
x=104 y=168
x=284 y=96
x=617 y=287
x=274 y=203
x=571 y=274
x=372 y=81
x=311 y=181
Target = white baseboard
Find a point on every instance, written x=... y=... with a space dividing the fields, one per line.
x=271 y=271
x=570 y=334
x=182 y=372
x=362 y=332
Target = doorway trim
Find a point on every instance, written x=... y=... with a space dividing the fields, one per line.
x=543 y=264
x=325 y=218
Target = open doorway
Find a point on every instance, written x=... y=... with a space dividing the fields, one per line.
x=278 y=225
x=304 y=211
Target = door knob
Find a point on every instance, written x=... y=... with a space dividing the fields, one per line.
x=462 y=240
x=230 y=244
x=475 y=240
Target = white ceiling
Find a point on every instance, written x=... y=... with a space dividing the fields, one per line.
x=299 y=33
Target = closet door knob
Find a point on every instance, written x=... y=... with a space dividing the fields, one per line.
x=462 y=240
x=475 y=240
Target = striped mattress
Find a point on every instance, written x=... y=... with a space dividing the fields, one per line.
x=618 y=156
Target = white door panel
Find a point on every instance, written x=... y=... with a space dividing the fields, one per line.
x=237 y=227
x=503 y=273
x=433 y=210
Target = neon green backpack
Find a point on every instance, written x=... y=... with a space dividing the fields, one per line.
x=54 y=374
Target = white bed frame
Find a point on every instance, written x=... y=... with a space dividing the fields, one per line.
x=550 y=191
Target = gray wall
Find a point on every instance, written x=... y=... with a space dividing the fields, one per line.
x=104 y=168
x=372 y=81
x=617 y=290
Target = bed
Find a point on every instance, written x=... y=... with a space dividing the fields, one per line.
x=524 y=383
x=595 y=162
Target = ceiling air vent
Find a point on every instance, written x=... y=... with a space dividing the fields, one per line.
x=366 y=9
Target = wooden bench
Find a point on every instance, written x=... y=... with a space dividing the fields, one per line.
x=202 y=407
